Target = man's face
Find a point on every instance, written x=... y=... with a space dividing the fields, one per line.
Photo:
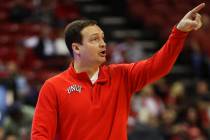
x=93 y=47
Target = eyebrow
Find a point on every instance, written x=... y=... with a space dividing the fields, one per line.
x=96 y=34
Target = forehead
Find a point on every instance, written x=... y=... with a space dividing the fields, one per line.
x=92 y=30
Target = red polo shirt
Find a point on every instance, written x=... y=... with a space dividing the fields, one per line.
x=74 y=108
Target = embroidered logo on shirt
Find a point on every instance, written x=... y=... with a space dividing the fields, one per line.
x=74 y=88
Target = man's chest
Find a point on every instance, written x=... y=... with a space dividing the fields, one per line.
x=78 y=99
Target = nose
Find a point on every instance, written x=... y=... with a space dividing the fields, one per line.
x=102 y=44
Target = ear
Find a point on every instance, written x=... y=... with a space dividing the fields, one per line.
x=76 y=48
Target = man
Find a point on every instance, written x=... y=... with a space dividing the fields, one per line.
x=89 y=101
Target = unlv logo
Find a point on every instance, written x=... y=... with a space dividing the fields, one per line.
x=74 y=88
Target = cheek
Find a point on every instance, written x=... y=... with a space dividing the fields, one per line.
x=89 y=51
x=92 y=48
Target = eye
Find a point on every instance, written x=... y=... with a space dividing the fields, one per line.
x=94 y=39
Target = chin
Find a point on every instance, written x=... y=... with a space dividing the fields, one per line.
x=102 y=61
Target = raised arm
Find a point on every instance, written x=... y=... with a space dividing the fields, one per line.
x=149 y=70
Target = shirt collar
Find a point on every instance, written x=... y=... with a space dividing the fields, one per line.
x=94 y=77
x=83 y=76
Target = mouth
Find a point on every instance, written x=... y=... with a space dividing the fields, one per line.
x=102 y=53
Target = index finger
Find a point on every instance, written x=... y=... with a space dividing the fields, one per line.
x=198 y=8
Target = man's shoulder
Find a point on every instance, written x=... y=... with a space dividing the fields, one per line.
x=117 y=68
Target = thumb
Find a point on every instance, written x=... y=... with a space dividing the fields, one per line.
x=193 y=24
x=197 y=17
x=198 y=21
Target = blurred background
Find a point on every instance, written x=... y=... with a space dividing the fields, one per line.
x=32 y=49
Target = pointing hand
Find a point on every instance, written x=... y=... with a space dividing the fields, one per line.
x=192 y=20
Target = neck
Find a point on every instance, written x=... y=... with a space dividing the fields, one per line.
x=81 y=67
